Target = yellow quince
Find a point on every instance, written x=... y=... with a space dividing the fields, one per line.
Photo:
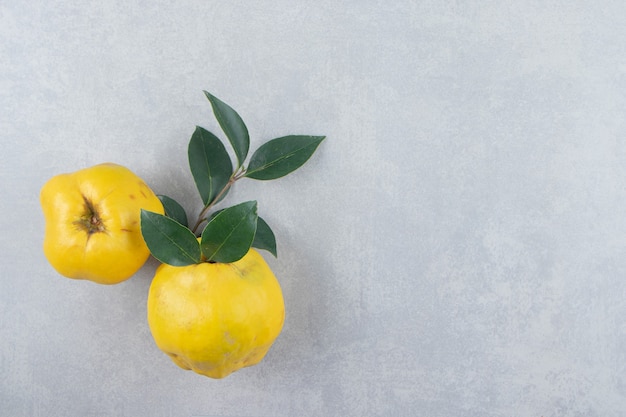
x=93 y=223
x=216 y=318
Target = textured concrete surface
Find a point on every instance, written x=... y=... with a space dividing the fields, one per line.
x=455 y=248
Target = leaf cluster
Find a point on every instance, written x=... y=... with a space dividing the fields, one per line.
x=227 y=234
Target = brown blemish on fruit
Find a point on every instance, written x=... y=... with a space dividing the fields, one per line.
x=143 y=186
x=132 y=196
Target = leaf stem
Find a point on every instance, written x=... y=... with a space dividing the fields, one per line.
x=237 y=175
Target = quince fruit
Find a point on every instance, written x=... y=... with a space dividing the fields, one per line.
x=93 y=223
x=216 y=318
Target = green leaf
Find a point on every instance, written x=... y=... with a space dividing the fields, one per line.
x=264 y=237
x=280 y=156
x=232 y=125
x=173 y=210
x=228 y=236
x=210 y=164
x=169 y=241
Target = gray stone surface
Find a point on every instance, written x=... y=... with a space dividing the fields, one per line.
x=455 y=248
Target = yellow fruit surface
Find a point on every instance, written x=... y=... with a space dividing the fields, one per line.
x=215 y=318
x=93 y=223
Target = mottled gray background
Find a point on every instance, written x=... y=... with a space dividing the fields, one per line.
x=456 y=247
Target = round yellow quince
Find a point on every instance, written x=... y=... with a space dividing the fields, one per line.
x=93 y=223
x=216 y=318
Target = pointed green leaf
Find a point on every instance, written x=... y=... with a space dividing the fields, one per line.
x=173 y=210
x=280 y=156
x=169 y=241
x=264 y=237
x=210 y=164
x=229 y=235
x=232 y=125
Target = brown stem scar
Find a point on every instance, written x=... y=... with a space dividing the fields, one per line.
x=90 y=220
